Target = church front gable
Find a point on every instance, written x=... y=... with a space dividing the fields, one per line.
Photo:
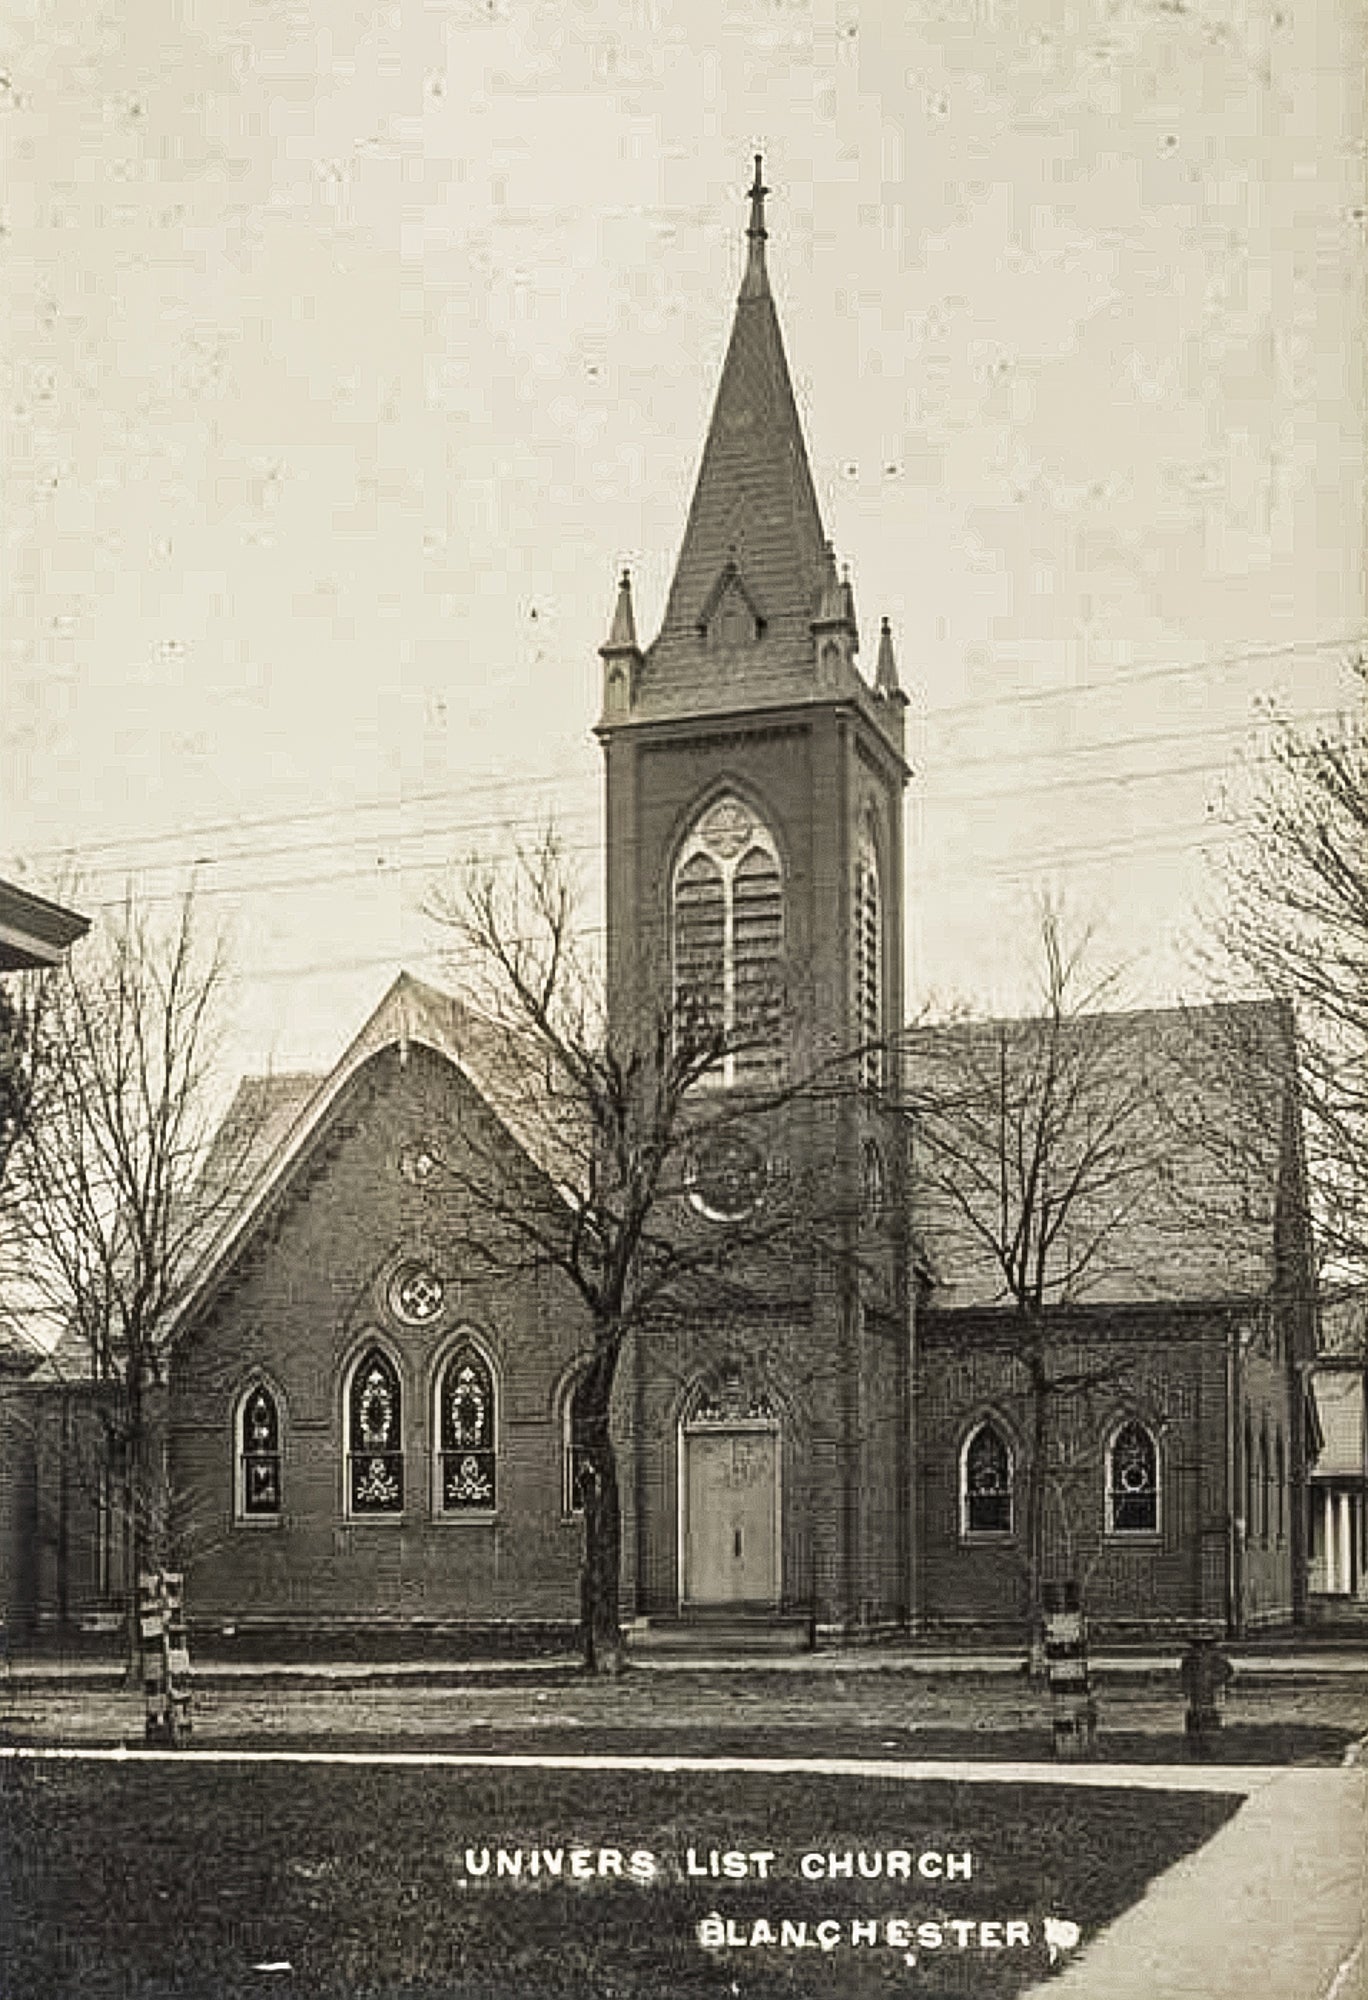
x=364 y=1417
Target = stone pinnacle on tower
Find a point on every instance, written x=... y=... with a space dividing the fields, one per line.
x=886 y=683
x=621 y=656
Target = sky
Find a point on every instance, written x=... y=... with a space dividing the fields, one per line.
x=355 y=350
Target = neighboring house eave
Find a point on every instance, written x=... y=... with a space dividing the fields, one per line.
x=33 y=931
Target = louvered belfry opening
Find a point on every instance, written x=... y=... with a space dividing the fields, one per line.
x=868 y=950
x=728 y=941
x=758 y=943
x=700 y=944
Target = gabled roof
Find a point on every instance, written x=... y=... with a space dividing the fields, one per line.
x=273 y=1120
x=1200 y=1209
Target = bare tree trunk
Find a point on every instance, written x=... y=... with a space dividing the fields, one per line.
x=600 y=1603
x=1035 y=1508
x=600 y=1599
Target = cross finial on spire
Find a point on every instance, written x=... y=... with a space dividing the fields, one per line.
x=756 y=284
x=758 y=191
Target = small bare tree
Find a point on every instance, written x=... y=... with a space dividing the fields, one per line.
x=608 y=1120
x=1292 y=922
x=1033 y=1139
x=19 y=1015
x=108 y=1200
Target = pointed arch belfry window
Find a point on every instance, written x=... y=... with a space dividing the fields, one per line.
x=375 y=1437
x=727 y=940
x=867 y=950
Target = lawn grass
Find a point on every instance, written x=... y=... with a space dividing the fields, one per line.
x=158 y=1880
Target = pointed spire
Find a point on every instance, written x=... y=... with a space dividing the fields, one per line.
x=886 y=682
x=755 y=284
x=753 y=506
x=622 y=638
x=848 y=608
x=831 y=607
x=621 y=656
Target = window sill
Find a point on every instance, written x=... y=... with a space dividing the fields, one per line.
x=1134 y=1538
x=470 y=1517
x=256 y=1523
x=973 y=1538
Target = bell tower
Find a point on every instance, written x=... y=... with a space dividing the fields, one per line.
x=754 y=848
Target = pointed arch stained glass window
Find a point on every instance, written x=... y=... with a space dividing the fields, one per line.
x=987 y=1496
x=375 y=1437
x=1133 y=1482
x=466 y=1427
x=259 y=1484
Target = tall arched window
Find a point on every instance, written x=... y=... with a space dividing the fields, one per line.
x=867 y=945
x=467 y=1434
x=1132 y=1481
x=1265 y=1485
x=727 y=934
x=1248 y=1478
x=375 y=1436
x=572 y=1455
x=1281 y=1461
x=986 y=1483
x=257 y=1449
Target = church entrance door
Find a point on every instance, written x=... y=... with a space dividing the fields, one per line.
x=730 y=1506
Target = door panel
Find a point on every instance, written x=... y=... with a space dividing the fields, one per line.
x=731 y=1517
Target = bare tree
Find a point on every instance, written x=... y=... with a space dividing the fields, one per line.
x=1033 y=1142
x=19 y=1017
x=110 y=1198
x=608 y=1123
x=1293 y=923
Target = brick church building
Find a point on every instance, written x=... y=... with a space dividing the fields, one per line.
x=366 y=1429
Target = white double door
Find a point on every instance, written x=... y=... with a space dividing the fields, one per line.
x=730 y=1507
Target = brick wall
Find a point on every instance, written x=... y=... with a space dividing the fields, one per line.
x=312 y=1290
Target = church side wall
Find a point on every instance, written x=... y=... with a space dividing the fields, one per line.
x=1266 y=1506
x=1167 y=1371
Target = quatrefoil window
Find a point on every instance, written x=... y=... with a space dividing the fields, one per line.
x=416 y=1294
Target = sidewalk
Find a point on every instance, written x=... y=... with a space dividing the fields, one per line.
x=1251 y=1667
x=1273 y=1908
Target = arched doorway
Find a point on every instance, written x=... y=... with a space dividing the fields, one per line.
x=729 y=1498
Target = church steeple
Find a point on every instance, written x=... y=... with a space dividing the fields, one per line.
x=752 y=564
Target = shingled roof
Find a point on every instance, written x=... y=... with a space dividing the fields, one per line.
x=1209 y=1182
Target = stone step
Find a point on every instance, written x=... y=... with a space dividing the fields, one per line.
x=718 y=1634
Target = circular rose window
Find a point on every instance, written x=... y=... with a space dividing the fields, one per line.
x=726 y=1177
x=416 y=1294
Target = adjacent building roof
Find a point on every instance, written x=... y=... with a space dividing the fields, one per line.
x=33 y=931
x=1192 y=1179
